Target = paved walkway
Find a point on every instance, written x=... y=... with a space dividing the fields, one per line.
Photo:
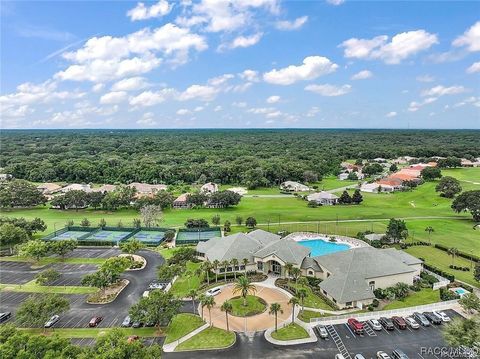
x=170 y=347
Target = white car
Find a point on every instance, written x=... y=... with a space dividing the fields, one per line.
x=444 y=317
x=339 y=356
x=412 y=323
x=359 y=356
x=52 y=321
x=146 y=294
x=375 y=324
x=382 y=355
x=322 y=332
x=213 y=292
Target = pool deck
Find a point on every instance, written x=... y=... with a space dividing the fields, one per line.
x=305 y=236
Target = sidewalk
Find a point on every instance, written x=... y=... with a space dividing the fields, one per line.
x=170 y=347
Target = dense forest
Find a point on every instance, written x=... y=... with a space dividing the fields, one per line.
x=250 y=157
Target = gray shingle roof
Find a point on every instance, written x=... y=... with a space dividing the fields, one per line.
x=287 y=250
x=309 y=262
x=263 y=237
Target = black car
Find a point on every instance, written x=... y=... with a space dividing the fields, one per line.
x=387 y=323
x=432 y=318
x=5 y=316
x=137 y=324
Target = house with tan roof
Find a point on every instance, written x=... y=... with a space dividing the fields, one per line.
x=49 y=188
x=146 y=189
x=181 y=201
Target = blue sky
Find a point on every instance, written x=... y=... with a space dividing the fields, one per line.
x=240 y=64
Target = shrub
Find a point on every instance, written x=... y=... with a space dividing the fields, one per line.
x=446 y=294
x=375 y=303
x=370 y=308
x=379 y=293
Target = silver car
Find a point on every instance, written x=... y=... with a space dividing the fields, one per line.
x=375 y=324
x=51 y=322
x=359 y=356
x=321 y=331
x=412 y=323
x=127 y=321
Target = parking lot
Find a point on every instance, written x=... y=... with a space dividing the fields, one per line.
x=81 y=312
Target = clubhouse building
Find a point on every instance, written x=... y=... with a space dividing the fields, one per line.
x=349 y=277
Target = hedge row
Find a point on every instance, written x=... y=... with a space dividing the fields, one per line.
x=460 y=254
x=438 y=271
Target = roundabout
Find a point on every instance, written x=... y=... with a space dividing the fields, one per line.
x=257 y=307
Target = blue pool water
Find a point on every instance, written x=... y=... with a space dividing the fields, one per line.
x=461 y=291
x=320 y=247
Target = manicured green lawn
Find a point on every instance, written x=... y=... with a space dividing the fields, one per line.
x=181 y=325
x=425 y=296
x=210 y=338
x=254 y=306
x=290 y=332
x=187 y=281
x=31 y=287
x=49 y=260
x=306 y=315
x=312 y=300
x=169 y=252
x=442 y=260
x=92 y=332
x=329 y=183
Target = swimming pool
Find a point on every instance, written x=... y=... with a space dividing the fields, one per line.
x=321 y=247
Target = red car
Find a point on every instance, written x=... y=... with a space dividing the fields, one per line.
x=355 y=326
x=94 y=321
x=399 y=322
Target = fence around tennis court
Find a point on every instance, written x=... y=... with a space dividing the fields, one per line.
x=338 y=319
x=195 y=235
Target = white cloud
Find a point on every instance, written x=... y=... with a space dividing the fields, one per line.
x=98 y=87
x=217 y=108
x=184 y=112
x=335 y=2
x=291 y=25
x=142 y=12
x=239 y=104
x=261 y=110
x=274 y=114
x=198 y=108
x=470 y=39
x=391 y=114
x=362 y=75
x=249 y=75
x=314 y=110
x=243 y=41
x=130 y=84
x=475 y=67
x=401 y=46
x=415 y=106
x=147 y=119
x=442 y=90
x=329 y=90
x=200 y=92
x=273 y=99
x=150 y=98
x=220 y=80
x=113 y=97
x=425 y=78
x=312 y=67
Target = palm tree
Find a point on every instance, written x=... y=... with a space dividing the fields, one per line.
x=302 y=294
x=293 y=301
x=216 y=263
x=245 y=262
x=288 y=270
x=227 y=307
x=206 y=266
x=244 y=287
x=234 y=262
x=296 y=273
x=193 y=294
x=225 y=264
x=209 y=303
x=202 y=298
x=429 y=229
x=453 y=252
x=275 y=308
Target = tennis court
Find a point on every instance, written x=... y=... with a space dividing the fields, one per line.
x=107 y=236
x=150 y=237
x=195 y=236
x=69 y=235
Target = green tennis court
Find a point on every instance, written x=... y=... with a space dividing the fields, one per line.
x=69 y=235
x=150 y=237
x=195 y=236
x=107 y=236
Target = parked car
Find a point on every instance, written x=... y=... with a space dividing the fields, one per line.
x=432 y=318
x=321 y=331
x=156 y=285
x=375 y=324
x=443 y=316
x=382 y=355
x=339 y=356
x=127 y=321
x=213 y=292
x=146 y=294
x=399 y=322
x=359 y=356
x=5 y=316
x=421 y=319
x=386 y=323
x=355 y=326
x=95 y=321
x=137 y=324
x=398 y=354
x=50 y=323
x=412 y=323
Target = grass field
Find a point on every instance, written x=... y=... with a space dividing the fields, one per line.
x=210 y=338
x=306 y=315
x=92 y=332
x=425 y=296
x=189 y=280
x=254 y=306
x=32 y=287
x=442 y=260
x=290 y=332
x=181 y=325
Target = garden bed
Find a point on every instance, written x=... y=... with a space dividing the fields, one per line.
x=291 y=331
x=142 y=262
x=255 y=305
x=109 y=294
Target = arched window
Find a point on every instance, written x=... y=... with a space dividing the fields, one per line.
x=371 y=284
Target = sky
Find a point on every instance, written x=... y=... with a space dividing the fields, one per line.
x=240 y=64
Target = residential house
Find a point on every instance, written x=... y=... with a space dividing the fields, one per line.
x=291 y=186
x=147 y=190
x=76 y=187
x=105 y=188
x=209 y=188
x=181 y=201
x=49 y=188
x=323 y=198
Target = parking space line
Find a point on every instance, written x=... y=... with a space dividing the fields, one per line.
x=353 y=334
x=420 y=356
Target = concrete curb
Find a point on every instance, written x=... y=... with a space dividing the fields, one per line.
x=170 y=347
x=311 y=339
